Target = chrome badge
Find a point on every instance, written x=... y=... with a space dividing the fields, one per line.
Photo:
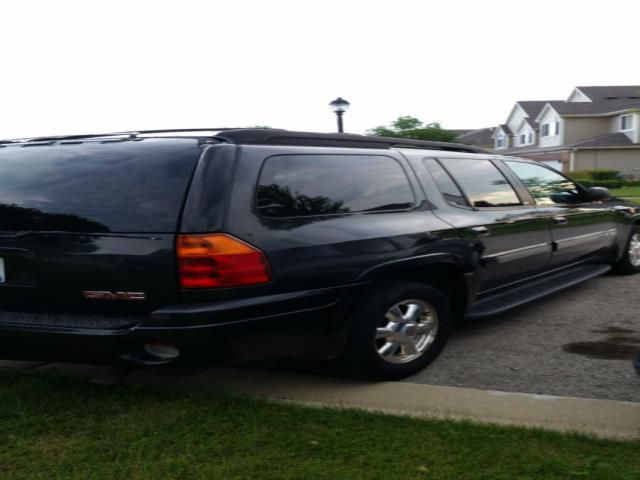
x=105 y=295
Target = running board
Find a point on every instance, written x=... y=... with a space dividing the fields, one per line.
x=517 y=296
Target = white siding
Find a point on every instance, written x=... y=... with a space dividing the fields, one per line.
x=550 y=117
x=515 y=118
x=577 y=96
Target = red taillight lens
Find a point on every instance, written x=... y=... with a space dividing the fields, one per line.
x=219 y=260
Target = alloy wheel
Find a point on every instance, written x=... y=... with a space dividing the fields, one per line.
x=407 y=331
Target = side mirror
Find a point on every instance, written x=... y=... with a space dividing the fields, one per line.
x=597 y=194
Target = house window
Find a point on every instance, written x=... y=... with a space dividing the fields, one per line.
x=523 y=139
x=499 y=142
x=530 y=137
x=545 y=130
x=557 y=127
x=626 y=122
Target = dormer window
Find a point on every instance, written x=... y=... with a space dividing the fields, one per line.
x=544 y=130
x=626 y=122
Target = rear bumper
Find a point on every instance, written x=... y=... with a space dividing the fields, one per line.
x=306 y=323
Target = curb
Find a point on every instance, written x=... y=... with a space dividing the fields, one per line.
x=602 y=418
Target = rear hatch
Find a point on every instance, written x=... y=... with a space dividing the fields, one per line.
x=88 y=227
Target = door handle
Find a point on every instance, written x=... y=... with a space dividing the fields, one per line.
x=560 y=220
x=480 y=231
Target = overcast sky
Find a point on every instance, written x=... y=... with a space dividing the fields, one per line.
x=77 y=67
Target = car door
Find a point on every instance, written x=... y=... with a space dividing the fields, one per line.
x=510 y=234
x=580 y=228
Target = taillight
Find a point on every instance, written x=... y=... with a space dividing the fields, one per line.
x=219 y=260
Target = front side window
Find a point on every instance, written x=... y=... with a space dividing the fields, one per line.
x=311 y=185
x=626 y=122
x=483 y=183
x=499 y=142
x=557 y=128
x=523 y=139
x=546 y=186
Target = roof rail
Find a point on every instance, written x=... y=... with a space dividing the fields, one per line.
x=131 y=134
x=271 y=136
x=286 y=137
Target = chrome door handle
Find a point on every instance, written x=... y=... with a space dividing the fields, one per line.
x=560 y=220
x=480 y=231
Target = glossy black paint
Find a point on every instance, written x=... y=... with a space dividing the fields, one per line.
x=320 y=264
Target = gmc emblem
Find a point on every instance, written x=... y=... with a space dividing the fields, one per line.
x=100 y=295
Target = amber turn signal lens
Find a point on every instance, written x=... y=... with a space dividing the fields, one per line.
x=219 y=260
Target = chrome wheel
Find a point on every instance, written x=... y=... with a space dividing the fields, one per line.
x=634 y=250
x=407 y=331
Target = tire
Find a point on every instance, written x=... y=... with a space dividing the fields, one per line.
x=629 y=264
x=417 y=319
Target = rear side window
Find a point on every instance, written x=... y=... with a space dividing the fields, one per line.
x=449 y=190
x=94 y=187
x=483 y=183
x=308 y=185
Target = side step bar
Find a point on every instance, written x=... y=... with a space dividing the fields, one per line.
x=523 y=294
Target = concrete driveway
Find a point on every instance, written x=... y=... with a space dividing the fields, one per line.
x=578 y=343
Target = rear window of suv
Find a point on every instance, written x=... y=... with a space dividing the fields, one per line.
x=94 y=187
x=310 y=185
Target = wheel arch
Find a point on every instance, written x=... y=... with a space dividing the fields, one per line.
x=442 y=271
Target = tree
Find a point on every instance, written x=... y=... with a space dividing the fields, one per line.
x=411 y=127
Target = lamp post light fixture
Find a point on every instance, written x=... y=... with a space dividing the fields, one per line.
x=339 y=106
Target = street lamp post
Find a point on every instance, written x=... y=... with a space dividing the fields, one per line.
x=339 y=106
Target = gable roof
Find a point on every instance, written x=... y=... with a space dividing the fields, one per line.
x=605 y=93
x=505 y=128
x=533 y=108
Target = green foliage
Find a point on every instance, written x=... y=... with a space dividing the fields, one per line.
x=411 y=127
x=602 y=183
x=599 y=174
x=66 y=428
x=605 y=174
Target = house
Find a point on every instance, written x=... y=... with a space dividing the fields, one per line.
x=595 y=127
x=481 y=137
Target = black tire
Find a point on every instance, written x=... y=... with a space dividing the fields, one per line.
x=625 y=266
x=361 y=356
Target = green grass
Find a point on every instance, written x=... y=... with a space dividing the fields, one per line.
x=626 y=192
x=56 y=427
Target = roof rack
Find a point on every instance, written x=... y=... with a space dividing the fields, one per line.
x=285 y=137
x=131 y=134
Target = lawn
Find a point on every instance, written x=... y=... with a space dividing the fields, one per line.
x=56 y=427
x=631 y=193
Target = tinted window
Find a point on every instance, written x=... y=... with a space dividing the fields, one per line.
x=483 y=183
x=304 y=185
x=546 y=186
x=446 y=185
x=133 y=187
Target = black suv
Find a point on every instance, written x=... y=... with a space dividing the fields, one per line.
x=163 y=246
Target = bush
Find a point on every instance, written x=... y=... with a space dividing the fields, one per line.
x=599 y=174
x=602 y=183
x=578 y=174
x=605 y=174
